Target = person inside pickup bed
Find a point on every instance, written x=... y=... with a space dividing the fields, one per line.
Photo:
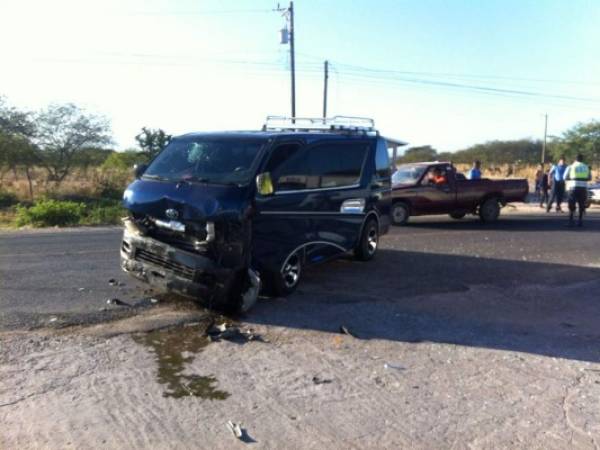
x=475 y=172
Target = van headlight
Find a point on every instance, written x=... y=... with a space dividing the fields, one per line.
x=210 y=231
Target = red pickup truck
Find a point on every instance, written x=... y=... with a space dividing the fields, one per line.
x=437 y=188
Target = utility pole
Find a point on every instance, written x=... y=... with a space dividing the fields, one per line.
x=326 y=78
x=289 y=37
x=292 y=58
x=545 y=137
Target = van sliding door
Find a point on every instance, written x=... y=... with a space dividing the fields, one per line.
x=312 y=183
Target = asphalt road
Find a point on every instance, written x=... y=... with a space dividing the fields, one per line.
x=58 y=277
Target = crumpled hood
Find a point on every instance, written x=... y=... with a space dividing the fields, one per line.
x=192 y=201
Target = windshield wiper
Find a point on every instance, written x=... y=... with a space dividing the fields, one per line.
x=154 y=177
x=193 y=179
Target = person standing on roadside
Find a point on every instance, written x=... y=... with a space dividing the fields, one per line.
x=577 y=176
x=541 y=185
x=475 y=172
x=557 y=177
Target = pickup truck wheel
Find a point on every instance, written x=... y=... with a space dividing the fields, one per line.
x=458 y=215
x=489 y=210
x=369 y=241
x=284 y=282
x=400 y=213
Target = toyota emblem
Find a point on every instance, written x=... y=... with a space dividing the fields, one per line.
x=171 y=213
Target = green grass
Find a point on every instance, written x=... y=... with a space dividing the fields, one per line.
x=53 y=212
x=7 y=218
x=104 y=214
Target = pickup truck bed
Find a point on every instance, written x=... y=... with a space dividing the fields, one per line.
x=415 y=193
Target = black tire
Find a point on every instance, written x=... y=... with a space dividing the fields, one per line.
x=228 y=298
x=400 y=213
x=458 y=215
x=368 y=242
x=489 y=210
x=284 y=282
x=238 y=294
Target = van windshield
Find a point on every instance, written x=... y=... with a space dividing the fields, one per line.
x=219 y=161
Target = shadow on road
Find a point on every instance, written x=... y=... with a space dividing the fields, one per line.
x=509 y=223
x=539 y=308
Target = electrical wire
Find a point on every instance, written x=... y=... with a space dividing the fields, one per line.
x=354 y=74
x=199 y=13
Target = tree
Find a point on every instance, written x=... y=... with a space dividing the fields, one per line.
x=419 y=154
x=62 y=132
x=501 y=152
x=583 y=138
x=152 y=141
x=124 y=160
x=91 y=157
x=16 y=149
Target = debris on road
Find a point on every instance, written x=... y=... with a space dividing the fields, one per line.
x=231 y=333
x=117 y=302
x=393 y=366
x=319 y=380
x=53 y=319
x=345 y=330
x=239 y=432
x=113 y=282
x=236 y=429
x=81 y=289
x=216 y=329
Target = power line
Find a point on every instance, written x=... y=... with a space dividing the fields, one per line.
x=379 y=77
x=473 y=87
x=462 y=75
x=199 y=13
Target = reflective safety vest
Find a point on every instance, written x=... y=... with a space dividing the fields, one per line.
x=577 y=175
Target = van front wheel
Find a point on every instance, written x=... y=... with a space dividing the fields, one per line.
x=284 y=282
x=369 y=241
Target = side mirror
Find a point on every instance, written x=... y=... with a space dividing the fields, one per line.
x=264 y=184
x=139 y=169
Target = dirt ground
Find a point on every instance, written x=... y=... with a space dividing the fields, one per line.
x=104 y=387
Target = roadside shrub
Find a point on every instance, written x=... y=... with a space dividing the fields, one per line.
x=106 y=212
x=48 y=213
x=111 y=191
x=7 y=199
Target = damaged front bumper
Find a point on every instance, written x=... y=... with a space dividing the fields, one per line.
x=169 y=268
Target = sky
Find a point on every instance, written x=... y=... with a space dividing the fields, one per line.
x=431 y=72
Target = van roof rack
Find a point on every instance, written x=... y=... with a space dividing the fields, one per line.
x=340 y=124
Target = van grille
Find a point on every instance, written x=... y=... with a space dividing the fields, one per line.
x=158 y=260
x=181 y=241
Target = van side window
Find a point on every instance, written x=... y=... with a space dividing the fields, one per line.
x=288 y=167
x=326 y=165
x=337 y=165
x=382 y=160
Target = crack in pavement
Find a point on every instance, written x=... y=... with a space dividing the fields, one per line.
x=566 y=412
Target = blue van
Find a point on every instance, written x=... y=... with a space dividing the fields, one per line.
x=224 y=216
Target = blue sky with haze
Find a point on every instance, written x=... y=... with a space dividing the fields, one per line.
x=445 y=73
